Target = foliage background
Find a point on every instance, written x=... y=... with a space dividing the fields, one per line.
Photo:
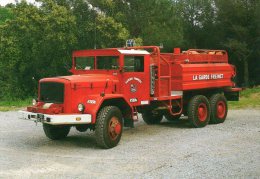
x=37 y=41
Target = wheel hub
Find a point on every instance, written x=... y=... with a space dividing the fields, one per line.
x=202 y=112
x=221 y=109
x=117 y=128
x=114 y=128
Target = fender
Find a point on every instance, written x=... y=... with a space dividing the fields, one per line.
x=94 y=103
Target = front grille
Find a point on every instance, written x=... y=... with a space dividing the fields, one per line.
x=51 y=92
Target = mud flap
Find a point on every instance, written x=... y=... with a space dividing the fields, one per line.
x=232 y=95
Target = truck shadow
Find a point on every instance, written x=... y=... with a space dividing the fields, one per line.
x=73 y=141
x=86 y=140
x=183 y=123
x=83 y=140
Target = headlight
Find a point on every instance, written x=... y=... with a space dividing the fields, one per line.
x=81 y=107
x=34 y=102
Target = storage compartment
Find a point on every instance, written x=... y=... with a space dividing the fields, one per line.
x=199 y=76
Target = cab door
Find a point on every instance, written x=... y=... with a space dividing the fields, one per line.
x=135 y=77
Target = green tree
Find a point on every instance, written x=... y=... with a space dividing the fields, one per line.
x=237 y=20
x=38 y=41
x=198 y=21
x=34 y=44
x=110 y=33
x=153 y=21
x=94 y=28
x=5 y=14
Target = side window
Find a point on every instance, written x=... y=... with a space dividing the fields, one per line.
x=134 y=64
x=107 y=62
x=84 y=63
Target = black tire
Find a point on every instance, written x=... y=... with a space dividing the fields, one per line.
x=219 y=108
x=55 y=132
x=172 y=118
x=109 y=127
x=199 y=111
x=152 y=117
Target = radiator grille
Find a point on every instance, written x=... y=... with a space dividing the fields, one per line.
x=52 y=92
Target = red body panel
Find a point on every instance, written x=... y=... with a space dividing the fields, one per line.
x=199 y=76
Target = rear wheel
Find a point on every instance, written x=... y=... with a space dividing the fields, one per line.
x=199 y=111
x=219 y=108
x=108 y=127
x=152 y=117
x=56 y=132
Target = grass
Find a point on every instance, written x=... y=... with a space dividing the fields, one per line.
x=249 y=98
x=14 y=105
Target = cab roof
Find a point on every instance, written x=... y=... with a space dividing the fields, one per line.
x=134 y=52
x=109 y=52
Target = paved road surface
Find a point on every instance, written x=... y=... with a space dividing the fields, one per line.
x=168 y=150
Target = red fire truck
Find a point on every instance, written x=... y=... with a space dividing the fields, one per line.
x=109 y=87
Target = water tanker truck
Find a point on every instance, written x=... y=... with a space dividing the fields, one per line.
x=109 y=87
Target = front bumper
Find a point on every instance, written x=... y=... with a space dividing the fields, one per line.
x=65 y=119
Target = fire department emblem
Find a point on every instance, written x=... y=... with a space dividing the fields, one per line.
x=133 y=88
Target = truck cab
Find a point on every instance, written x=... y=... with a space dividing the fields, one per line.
x=124 y=72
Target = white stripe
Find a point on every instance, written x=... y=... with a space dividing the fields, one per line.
x=176 y=93
x=134 y=52
x=58 y=119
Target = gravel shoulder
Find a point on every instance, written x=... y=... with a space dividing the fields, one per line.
x=168 y=150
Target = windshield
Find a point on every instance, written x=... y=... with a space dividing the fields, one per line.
x=98 y=62
x=84 y=63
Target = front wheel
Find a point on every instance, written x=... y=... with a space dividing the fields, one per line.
x=109 y=127
x=56 y=132
x=219 y=108
x=199 y=111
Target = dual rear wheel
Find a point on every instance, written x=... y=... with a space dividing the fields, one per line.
x=201 y=111
x=219 y=108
